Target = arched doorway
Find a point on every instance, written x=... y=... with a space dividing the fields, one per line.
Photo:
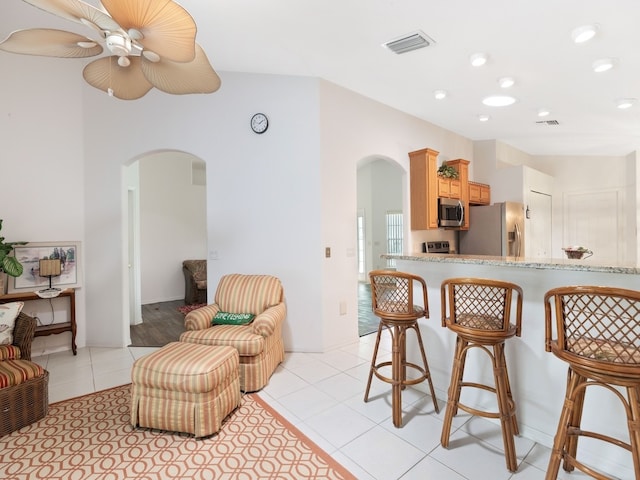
x=167 y=224
x=380 y=225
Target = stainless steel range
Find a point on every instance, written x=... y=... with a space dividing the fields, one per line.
x=438 y=247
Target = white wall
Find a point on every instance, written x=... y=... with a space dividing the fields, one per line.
x=365 y=205
x=504 y=167
x=42 y=161
x=274 y=201
x=353 y=128
x=595 y=176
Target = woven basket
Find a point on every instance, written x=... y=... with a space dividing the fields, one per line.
x=23 y=404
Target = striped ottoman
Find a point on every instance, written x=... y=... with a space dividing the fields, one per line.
x=185 y=387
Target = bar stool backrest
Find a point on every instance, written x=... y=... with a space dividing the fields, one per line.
x=596 y=326
x=474 y=305
x=392 y=295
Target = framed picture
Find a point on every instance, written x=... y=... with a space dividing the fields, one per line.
x=29 y=256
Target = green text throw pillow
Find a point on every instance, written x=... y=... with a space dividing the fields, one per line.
x=226 y=318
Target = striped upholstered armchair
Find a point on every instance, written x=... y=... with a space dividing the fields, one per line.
x=259 y=342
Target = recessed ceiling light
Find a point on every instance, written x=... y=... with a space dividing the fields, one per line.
x=603 y=65
x=506 y=82
x=498 y=101
x=478 y=59
x=624 y=103
x=584 y=33
x=439 y=94
x=484 y=118
x=543 y=112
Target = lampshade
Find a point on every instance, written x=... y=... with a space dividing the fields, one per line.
x=50 y=267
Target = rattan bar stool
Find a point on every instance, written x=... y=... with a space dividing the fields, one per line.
x=479 y=312
x=392 y=301
x=598 y=335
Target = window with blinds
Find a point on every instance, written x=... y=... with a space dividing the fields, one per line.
x=395 y=235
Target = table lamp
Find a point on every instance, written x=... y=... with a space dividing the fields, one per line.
x=49 y=268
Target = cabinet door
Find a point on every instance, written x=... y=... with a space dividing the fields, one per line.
x=474 y=193
x=454 y=189
x=485 y=194
x=444 y=187
x=424 y=189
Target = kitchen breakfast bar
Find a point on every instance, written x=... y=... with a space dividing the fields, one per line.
x=538 y=378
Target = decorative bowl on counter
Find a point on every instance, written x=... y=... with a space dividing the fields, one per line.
x=577 y=252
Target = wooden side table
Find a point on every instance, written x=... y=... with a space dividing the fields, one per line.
x=54 y=328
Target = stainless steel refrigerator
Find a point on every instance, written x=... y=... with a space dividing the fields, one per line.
x=496 y=230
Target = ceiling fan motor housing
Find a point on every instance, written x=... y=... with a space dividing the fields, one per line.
x=119 y=44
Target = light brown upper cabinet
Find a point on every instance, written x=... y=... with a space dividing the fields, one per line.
x=423 y=182
x=479 y=194
x=426 y=186
x=449 y=187
x=462 y=166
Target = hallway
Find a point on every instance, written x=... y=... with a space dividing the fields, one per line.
x=367 y=321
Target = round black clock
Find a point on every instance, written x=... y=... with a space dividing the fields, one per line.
x=259 y=123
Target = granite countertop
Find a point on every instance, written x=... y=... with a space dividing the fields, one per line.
x=539 y=263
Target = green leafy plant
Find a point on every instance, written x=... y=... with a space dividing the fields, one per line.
x=9 y=264
x=447 y=171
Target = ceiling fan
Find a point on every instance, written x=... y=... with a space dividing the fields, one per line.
x=151 y=42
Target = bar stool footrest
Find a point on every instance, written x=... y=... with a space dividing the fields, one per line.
x=407 y=381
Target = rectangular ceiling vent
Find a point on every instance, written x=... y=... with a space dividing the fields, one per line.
x=410 y=42
x=549 y=122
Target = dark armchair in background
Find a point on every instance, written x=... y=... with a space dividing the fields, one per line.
x=195 y=281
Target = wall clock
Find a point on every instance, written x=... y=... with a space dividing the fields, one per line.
x=259 y=123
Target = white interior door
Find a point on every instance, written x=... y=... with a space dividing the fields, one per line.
x=539 y=226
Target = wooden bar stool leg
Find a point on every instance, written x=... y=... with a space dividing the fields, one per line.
x=373 y=362
x=455 y=386
x=514 y=417
x=461 y=359
x=426 y=368
x=560 y=440
x=397 y=368
x=634 y=427
x=402 y=331
x=505 y=406
x=573 y=429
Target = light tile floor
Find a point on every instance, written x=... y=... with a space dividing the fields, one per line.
x=322 y=395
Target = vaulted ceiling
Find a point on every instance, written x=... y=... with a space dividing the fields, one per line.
x=530 y=41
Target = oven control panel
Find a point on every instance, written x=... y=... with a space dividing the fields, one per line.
x=438 y=247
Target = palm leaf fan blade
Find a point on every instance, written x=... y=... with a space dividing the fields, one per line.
x=126 y=83
x=77 y=11
x=167 y=29
x=50 y=43
x=179 y=78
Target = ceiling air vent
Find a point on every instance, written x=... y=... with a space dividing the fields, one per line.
x=410 y=42
x=549 y=122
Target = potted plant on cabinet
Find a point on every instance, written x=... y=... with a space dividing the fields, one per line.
x=9 y=265
x=447 y=171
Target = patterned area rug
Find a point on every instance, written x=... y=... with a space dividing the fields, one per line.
x=90 y=437
x=187 y=308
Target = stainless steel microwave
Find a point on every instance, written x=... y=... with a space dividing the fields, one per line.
x=450 y=212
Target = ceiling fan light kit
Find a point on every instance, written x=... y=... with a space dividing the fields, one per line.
x=151 y=42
